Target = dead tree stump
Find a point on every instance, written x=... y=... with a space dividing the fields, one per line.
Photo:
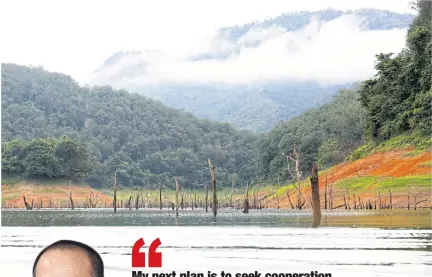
x=28 y=207
x=213 y=177
x=316 y=206
x=160 y=198
x=289 y=199
x=176 y=195
x=115 y=192
x=245 y=206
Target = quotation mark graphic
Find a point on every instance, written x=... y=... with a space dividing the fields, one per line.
x=154 y=258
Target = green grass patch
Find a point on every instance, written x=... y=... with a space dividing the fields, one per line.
x=401 y=183
x=48 y=189
x=9 y=197
x=404 y=141
x=282 y=191
x=12 y=179
x=426 y=164
x=47 y=181
x=362 y=151
x=419 y=142
x=413 y=153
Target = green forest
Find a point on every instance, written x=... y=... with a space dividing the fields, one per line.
x=53 y=158
x=399 y=98
x=146 y=142
x=326 y=134
x=53 y=128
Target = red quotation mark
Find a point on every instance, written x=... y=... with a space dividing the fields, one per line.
x=154 y=259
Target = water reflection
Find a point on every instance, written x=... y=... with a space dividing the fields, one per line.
x=338 y=250
x=420 y=219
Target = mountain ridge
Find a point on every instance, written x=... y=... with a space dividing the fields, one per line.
x=238 y=103
x=146 y=141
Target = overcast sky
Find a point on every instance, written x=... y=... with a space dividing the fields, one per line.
x=75 y=37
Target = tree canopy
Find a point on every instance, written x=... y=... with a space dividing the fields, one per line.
x=52 y=157
x=145 y=141
x=326 y=134
x=399 y=97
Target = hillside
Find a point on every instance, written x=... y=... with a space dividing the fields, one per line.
x=395 y=130
x=327 y=134
x=50 y=195
x=403 y=171
x=373 y=20
x=146 y=142
x=372 y=139
x=398 y=100
x=255 y=75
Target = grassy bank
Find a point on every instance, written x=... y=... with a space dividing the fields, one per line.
x=404 y=173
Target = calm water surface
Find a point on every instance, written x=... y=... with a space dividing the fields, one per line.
x=359 y=243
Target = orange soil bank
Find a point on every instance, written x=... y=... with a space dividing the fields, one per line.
x=397 y=163
x=57 y=195
x=389 y=164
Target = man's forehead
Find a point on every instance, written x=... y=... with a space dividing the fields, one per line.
x=68 y=262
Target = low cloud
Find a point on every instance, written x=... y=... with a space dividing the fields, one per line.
x=331 y=52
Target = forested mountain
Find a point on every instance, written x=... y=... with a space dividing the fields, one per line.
x=326 y=134
x=257 y=105
x=373 y=20
x=145 y=141
x=149 y=143
x=397 y=100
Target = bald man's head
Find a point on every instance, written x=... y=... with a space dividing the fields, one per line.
x=68 y=258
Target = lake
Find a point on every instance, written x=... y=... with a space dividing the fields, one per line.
x=348 y=243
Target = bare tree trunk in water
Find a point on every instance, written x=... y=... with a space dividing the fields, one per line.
x=408 y=207
x=298 y=174
x=206 y=199
x=28 y=207
x=70 y=195
x=129 y=203
x=232 y=191
x=296 y=158
x=176 y=195
x=391 y=202
x=115 y=192
x=325 y=193
x=213 y=176
x=289 y=199
x=379 y=200
x=355 y=205
x=246 y=200
x=316 y=207
x=160 y=197
x=331 y=196
x=348 y=198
